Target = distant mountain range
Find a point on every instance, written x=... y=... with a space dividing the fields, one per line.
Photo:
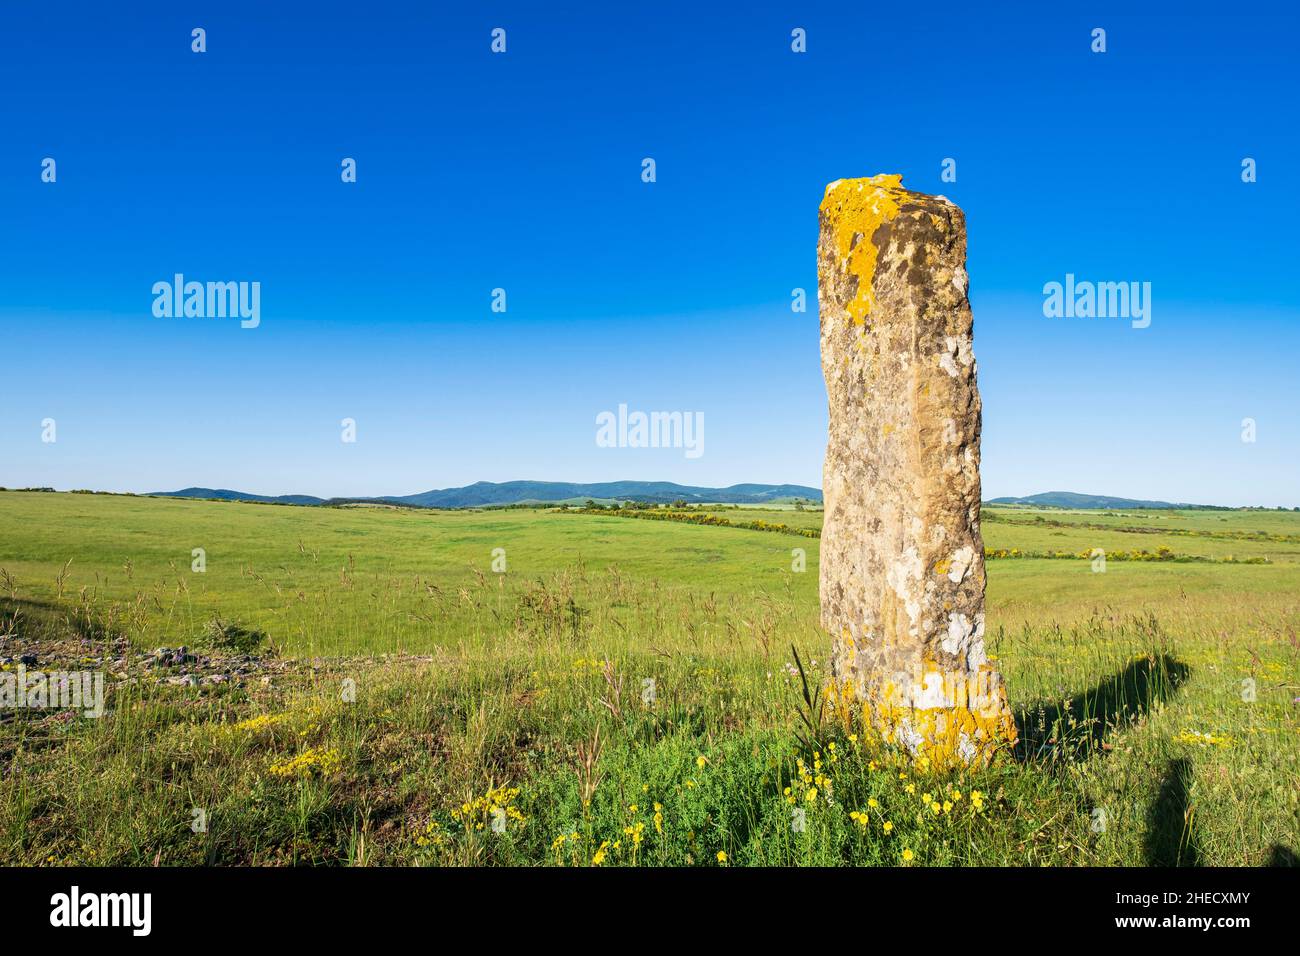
x=484 y=493
x=1070 y=499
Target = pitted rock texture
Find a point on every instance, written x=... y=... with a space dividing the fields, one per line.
x=902 y=560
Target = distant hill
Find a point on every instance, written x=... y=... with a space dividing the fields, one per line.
x=225 y=494
x=485 y=493
x=1071 y=499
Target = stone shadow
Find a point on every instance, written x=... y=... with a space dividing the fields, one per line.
x=1081 y=724
x=1171 y=835
x=1283 y=856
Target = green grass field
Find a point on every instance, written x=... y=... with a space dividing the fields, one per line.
x=506 y=717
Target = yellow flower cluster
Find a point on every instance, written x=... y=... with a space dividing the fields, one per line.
x=310 y=718
x=432 y=835
x=636 y=831
x=558 y=843
x=813 y=779
x=629 y=843
x=863 y=817
x=946 y=807
x=478 y=812
x=314 y=760
x=255 y=725
x=1203 y=740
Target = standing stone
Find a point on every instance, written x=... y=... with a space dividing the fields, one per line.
x=902 y=560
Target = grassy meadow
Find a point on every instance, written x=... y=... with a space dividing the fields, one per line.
x=374 y=686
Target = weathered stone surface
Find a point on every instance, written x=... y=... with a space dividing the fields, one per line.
x=902 y=560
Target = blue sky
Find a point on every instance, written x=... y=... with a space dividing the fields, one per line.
x=523 y=171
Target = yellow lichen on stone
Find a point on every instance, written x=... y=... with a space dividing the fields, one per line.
x=856 y=207
x=840 y=699
x=970 y=724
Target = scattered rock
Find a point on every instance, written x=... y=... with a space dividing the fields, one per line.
x=172 y=657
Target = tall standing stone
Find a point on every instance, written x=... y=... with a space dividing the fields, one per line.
x=902 y=560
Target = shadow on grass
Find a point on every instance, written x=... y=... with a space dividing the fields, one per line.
x=1077 y=726
x=1171 y=838
x=12 y=605
x=1283 y=856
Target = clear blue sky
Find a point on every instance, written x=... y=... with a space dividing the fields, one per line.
x=523 y=171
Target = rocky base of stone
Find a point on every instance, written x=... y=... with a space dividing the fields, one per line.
x=942 y=719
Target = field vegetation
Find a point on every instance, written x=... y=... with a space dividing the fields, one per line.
x=546 y=687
